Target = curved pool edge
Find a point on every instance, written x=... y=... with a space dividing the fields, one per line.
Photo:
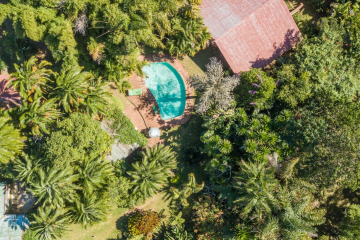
x=166 y=104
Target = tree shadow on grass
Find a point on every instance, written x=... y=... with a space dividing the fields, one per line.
x=335 y=206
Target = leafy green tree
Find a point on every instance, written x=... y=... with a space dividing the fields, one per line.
x=88 y=210
x=147 y=177
x=38 y=116
x=256 y=89
x=215 y=90
x=256 y=186
x=349 y=227
x=54 y=186
x=348 y=14
x=96 y=99
x=30 y=79
x=94 y=174
x=270 y=230
x=188 y=37
x=75 y=138
x=11 y=142
x=71 y=87
x=49 y=223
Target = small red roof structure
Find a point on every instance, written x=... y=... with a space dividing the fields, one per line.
x=250 y=33
x=8 y=96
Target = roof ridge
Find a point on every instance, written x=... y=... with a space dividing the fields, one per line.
x=248 y=16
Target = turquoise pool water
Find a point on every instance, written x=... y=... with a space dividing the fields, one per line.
x=168 y=88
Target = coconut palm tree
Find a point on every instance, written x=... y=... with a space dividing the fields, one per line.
x=93 y=173
x=38 y=115
x=11 y=142
x=54 y=186
x=26 y=168
x=30 y=79
x=214 y=88
x=49 y=223
x=256 y=186
x=96 y=99
x=164 y=157
x=147 y=177
x=88 y=210
x=188 y=37
x=71 y=88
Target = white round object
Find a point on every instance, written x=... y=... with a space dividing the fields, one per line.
x=154 y=132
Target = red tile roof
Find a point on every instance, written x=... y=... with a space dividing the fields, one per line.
x=250 y=33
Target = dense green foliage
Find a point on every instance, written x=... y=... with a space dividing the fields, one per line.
x=143 y=222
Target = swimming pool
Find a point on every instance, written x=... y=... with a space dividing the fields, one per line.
x=168 y=88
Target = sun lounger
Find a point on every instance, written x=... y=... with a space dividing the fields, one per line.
x=135 y=92
x=155 y=109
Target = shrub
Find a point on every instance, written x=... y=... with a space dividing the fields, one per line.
x=256 y=89
x=208 y=219
x=143 y=222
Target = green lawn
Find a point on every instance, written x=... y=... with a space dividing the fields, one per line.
x=117 y=220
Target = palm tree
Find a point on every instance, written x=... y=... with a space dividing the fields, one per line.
x=117 y=73
x=187 y=189
x=30 y=79
x=71 y=87
x=93 y=174
x=26 y=168
x=38 y=115
x=50 y=223
x=88 y=211
x=163 y=156
x=188 y=37
x=96 y=99
x=54 y=186
x=11 y=142
x=255 y=185
x=214 y=88
x=147 y=176
x=299 y=216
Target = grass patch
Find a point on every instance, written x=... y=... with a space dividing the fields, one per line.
x=104 y=230
x=117 y=221
x=196 y=64
x=306 y=17
x=181 y=137
x=120 y=96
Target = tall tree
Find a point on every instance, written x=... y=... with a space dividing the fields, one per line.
x=94 y=173
x=215 y=90
x=147 y=177
x=38 y=115
x=88 y=210
x=256 y=186
x=163 y=156
x=188 y=37
x=11 y=142
x=97 y=99
x=71 y=88
x=30 y=79
x=54 y=186
x=49 y=223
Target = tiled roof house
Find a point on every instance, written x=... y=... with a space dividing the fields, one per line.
x=250 y=33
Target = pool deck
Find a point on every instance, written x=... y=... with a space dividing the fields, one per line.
x=144 y=103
